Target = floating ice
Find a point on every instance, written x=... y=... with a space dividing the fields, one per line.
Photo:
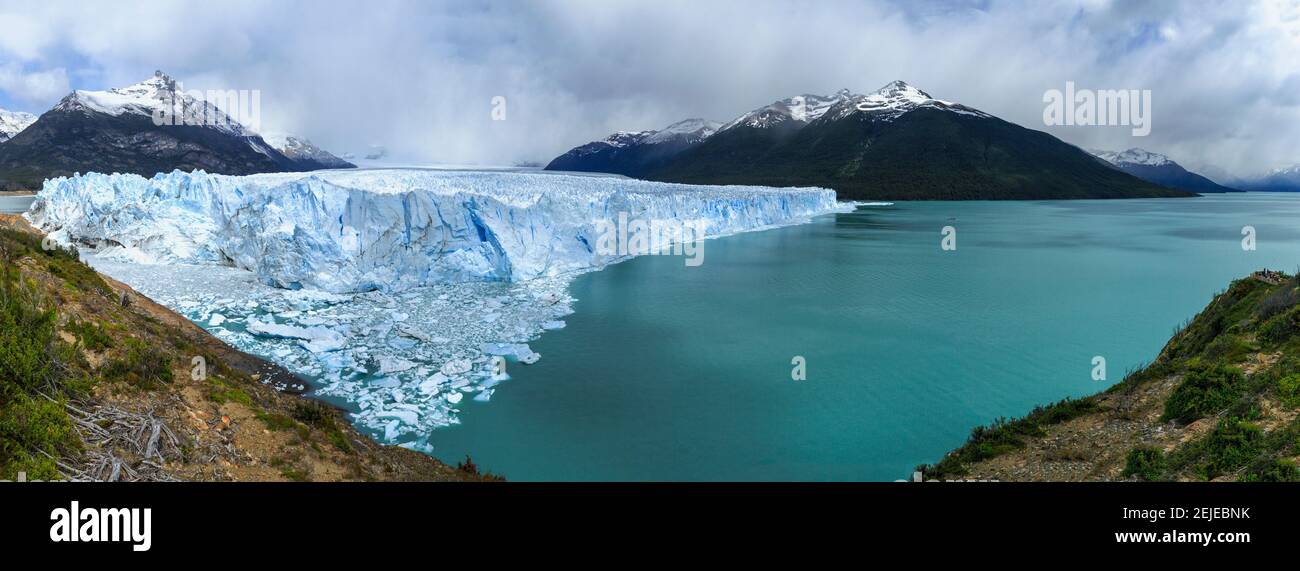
x=519 y=351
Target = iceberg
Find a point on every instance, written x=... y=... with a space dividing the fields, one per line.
x=390 y=230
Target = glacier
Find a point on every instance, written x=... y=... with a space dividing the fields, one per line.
x=391 y=230
x=394 y=292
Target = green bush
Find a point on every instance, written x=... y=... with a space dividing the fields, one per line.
x=1145 y=463
x=1203 y=391
x=27 y=336
x=1277 y=470
x=92 y=335
x=1228 y=347
x=313 y=414
x=1281 y=327
x=1232 y=445
x=140 y=365
x=1288 y=390
x=31 y=429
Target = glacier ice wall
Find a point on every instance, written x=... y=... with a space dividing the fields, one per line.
x=390 y=230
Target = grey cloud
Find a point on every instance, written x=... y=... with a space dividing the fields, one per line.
x=419 y=77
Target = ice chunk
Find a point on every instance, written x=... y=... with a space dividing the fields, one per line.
x=519 y=351
x=389 y=365
x=456 y=367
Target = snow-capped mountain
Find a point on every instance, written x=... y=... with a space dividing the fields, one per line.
x=13 y=122
x=303 y=152
x=688 y=131
x=1132 y=156
x=894 y=100
x=791 y=112
x=1284 y=179
x=1157 y=168
x=157 y=96
x=897 y=142
x=633 y=153
x=146 y=128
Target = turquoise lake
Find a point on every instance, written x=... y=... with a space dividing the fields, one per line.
x=669 y=372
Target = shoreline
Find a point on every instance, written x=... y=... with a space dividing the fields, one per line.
x=214 y=399
x=1213 y=405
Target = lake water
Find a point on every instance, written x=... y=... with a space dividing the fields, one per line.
x=15 y=204
x=668 y=372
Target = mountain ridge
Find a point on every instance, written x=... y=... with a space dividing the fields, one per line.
x=896 y=143
x=1159 y=169
x=117 y=130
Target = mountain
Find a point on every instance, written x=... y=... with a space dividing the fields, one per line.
x=1285 y=179
x=115 y=131
x=304 y=153
x=898 y=143
x=1157 y=168
x=635 y=153
x=895 y=143
x=13 y=122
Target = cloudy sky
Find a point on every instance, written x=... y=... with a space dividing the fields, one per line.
x=419 y=77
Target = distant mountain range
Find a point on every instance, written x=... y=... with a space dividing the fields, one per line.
x=114 y=131
x=13 y=122
x=636 y=154
x=1157 y=168
x=1279 y=180
x=897 y=143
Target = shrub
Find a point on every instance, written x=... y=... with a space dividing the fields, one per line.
x=1228 y=347
x=1145 y=463
x=1232 y=445
x=1285 y=297
x=92 y=335
x=1281 y=327
x=1288 y=390
x=1204 y=391
x=31 y=429
x=27 y=337
x=313 y=414
x=1277 y=470
x=140 y=365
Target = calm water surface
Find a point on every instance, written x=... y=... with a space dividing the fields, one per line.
x=669 y=372
x=15 y=204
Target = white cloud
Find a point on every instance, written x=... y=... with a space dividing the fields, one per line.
x=42 y=87
x=419 y=77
